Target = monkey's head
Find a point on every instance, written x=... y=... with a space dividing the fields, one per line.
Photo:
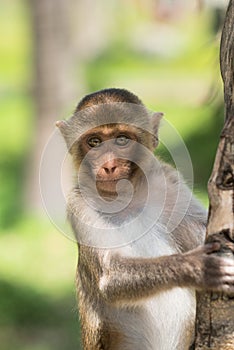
x=107 y=136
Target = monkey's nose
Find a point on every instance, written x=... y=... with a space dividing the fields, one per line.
x=109 y=170
x=109 y=167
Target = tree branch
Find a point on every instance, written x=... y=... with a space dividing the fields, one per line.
x=215 y=312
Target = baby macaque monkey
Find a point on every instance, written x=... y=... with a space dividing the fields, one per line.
x=138 y=228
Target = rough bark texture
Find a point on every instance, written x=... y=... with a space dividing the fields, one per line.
x=215 y=312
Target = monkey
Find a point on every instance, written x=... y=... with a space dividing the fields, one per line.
x=139 y=229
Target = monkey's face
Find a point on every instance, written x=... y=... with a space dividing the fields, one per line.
x=108 y=156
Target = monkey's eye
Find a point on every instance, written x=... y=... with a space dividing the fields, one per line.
x=94 y=142
x=122 y=140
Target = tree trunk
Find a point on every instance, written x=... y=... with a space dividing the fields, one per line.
x=215 y=311
x=54 y=89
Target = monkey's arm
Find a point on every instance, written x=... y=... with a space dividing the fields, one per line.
x=131 y=279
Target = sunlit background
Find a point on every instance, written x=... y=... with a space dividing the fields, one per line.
x=53 y=52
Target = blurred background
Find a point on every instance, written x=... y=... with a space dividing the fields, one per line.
x=53 y=52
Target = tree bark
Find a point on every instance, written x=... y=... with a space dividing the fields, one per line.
x=54 y=87
x=215 y=311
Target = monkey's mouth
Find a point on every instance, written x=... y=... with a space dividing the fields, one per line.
x=112 y=180
x=107 y=187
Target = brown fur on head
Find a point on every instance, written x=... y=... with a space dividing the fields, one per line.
x=108 y=96
x=109 y=107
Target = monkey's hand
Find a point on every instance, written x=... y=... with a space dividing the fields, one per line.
x=209 y=271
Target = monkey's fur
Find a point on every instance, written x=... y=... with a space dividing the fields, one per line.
x=141 y=295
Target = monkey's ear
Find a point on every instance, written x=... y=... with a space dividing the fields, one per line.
x=65 y=129
x=155 y=120
x=62 y=125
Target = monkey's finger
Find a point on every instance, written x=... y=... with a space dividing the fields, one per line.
x=227 y=288
x=227 y=263
x=205 y=249
x=218 y=269
x=211 y=247
x=230 y=245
